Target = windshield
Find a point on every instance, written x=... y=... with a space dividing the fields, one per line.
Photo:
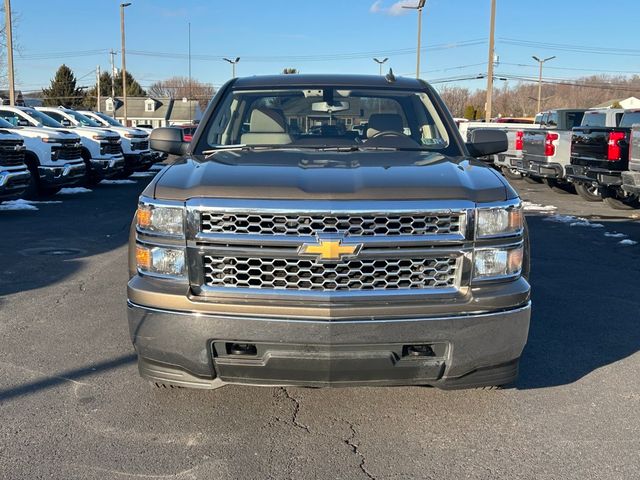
x=45 y=120
x=82 y=119
x=326 y=117
x=110 y=120
x=594 y=119
x=630 y=118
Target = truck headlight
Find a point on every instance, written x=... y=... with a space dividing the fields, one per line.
x=495 y=263
x=160 y=261
x=160 y=220
x=498 y=222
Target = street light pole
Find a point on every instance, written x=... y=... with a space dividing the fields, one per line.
x=380 y=62
x=492 y=30
x=233 y=65
x=540 y=63
x=124 y=65
x=9 y=33
x=419 y=8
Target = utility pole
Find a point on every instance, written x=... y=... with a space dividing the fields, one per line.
x=419 y=8
x=540 y=63
x=124 y=65
x=9 y=33
x=492 y=32
x=233 y=65
x=380 y=62
x=190 y=91
x=98 y=88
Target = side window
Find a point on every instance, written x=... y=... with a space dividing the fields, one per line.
x=56 y=116
x=552 y=120
x=10 y=117
x=618 y=118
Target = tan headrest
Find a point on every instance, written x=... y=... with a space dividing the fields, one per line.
x=267 y=120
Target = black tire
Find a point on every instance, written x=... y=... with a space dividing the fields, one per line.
x=510 y=173
x=532 y=180
x=559 y=187
x=621 y=204
x=47 y=192
x=588 y=193
x=33 y=189
x=123 y=174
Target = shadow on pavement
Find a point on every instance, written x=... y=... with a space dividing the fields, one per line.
x=85 y=224
x=585 y=301
x=63 y=377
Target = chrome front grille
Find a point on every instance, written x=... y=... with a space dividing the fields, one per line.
x=111 y=148
x=12 y=153
x=136 y=145
x=344 y=275
x=368 y=225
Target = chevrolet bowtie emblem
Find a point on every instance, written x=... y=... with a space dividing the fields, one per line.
x=329 y=249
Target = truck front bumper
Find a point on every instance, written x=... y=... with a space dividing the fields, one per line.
x=138 y=161
x=209 y=350
x=13 y=183
x=64 y=174
x=107 y=167
x=631 y=182
x=539 y=169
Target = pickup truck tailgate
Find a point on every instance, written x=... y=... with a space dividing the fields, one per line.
x=533 y=145
x=590 y=145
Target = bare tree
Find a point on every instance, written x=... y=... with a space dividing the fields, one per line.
x=179 y=87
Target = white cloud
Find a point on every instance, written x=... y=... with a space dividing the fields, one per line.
x=395 y=9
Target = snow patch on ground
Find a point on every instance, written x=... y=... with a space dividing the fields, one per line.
x=536 y=207
x=73 y=190
x=626 y=241
x=142 y=174
x=614 y=235
x=573 y=221
x=13 y=205
x=117 y=182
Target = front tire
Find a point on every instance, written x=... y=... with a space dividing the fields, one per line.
x=588 y=192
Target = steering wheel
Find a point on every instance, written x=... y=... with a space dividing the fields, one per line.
x=388 y=133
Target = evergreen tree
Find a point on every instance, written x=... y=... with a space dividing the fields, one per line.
x=133 y=87
x=63 y=90
x=470 y=112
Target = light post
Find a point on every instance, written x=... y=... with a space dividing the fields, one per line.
x=541 y=62
x=233 y=65
x=124 y=65
x=380 y=62
x=419 y=8
x=492 y=29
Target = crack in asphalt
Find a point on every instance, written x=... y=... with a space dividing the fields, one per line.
x=296 y=410
x=356 y=449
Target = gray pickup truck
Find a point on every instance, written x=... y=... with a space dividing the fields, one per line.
x=285 y=248
x=547 y=151
x=631 y=178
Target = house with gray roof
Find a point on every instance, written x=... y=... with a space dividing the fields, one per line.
x=153 y=111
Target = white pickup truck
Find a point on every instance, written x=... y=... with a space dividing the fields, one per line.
x=14 y=174
x=101 y=149
x=135 y=142
x=53 y=157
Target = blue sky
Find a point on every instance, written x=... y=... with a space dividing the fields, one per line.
x=344 y=34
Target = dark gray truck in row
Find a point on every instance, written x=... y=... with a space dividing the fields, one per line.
x=285 y=248
x=631 y=178
x=599 y=156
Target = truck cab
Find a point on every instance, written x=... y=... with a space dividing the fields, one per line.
x=14 y=174
x=101 y=149
x=284 y=248
x=53 y=156
x=135 y=142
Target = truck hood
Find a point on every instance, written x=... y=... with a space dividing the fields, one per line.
x=91 y=131
x=122 y=130
x=46 y=131
x=303 y=174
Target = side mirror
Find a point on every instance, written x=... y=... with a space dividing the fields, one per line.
x=487 y=141
x=168 y=140
x=65 y=123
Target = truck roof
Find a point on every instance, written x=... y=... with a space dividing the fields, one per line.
x=308 y=80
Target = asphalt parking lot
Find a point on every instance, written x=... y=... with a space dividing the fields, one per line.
x=72 y=405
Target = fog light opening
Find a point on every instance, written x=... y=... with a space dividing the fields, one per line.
x=241 y=349
x=418 y=351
